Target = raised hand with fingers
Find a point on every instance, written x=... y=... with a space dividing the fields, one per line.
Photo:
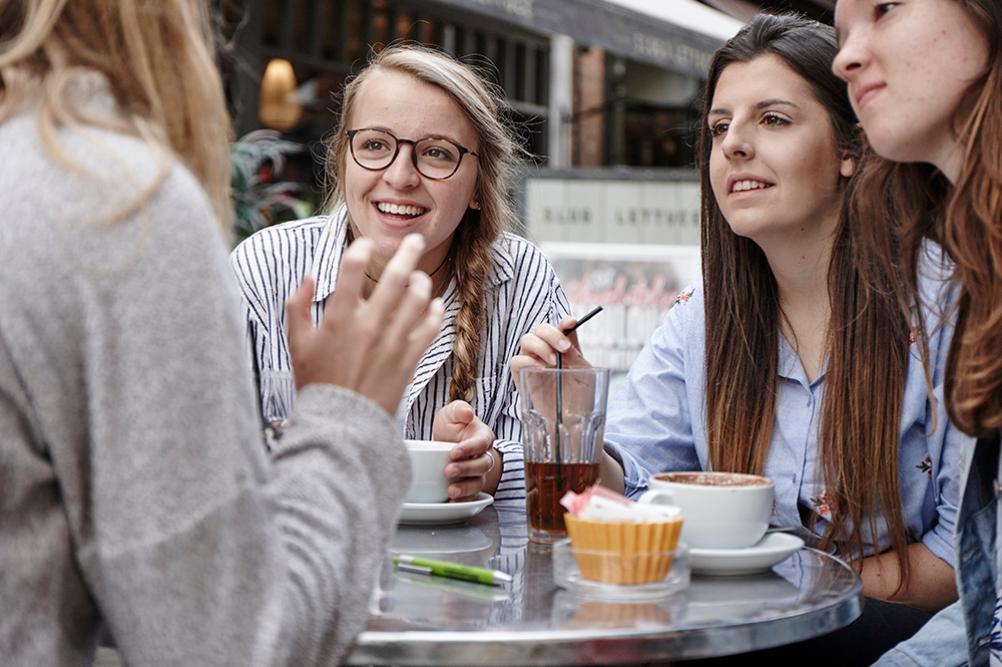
x=474 y=465
x=370 y=346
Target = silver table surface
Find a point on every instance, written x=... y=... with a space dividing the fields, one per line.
x=422 y=620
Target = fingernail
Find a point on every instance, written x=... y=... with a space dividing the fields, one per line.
x=564 y=345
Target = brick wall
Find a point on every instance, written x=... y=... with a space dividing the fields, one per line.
x=588 y=130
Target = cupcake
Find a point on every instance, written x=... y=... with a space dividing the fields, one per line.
x=618 y=541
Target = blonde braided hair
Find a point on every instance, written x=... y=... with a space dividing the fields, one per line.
x=483 y=103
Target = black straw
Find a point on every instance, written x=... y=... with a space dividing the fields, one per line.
x=560 y=402
x=592 y=313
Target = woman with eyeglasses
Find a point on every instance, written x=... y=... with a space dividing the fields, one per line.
x=420 y=147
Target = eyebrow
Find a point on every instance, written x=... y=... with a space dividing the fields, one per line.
x=427 y=136
x=761 y=105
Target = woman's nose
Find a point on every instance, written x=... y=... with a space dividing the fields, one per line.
x=849 y=59
x=401 y=173
x=737 y=146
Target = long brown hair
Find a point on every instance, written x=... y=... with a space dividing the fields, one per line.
x=867 y=341
x=158 y=63
x=472 y=245
x=918 y=202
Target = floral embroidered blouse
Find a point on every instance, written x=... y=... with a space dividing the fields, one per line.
x=656 y=423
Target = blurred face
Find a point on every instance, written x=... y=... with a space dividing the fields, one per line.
x=387 y=204
x=909 y=65
x=774 y=166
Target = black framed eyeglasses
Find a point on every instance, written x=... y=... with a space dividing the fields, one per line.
x=434 y=157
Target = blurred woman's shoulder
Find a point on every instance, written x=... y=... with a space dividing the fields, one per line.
x=87 y=190
x=94 y=172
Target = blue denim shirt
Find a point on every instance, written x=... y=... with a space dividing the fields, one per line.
x=656 y=423
x=943 y=642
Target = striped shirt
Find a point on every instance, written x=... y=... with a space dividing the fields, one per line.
x=521 y=291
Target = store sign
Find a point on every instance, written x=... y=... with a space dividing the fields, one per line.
x=627 y=33
x=654 y=49
x=628 y=241
x=612 y=211
x=516 y=8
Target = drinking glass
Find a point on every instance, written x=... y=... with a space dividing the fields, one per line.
x=563 y=424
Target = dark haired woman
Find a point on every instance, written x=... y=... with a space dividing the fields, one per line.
x=925 y=78
x=785 y=362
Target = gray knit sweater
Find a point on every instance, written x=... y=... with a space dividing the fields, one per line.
x=134 y=485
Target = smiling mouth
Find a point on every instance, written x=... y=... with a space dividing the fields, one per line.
x=748 y=186
x=402 y=210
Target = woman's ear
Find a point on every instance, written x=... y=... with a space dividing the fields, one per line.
x=475 y=204
x=847 y=166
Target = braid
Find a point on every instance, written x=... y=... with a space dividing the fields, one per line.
x=473 y=252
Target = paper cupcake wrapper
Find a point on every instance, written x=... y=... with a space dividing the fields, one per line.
x=623 y=552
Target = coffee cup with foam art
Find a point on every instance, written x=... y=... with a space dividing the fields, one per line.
x=721 y=510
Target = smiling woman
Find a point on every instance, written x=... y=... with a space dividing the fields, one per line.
x=773 y=142
x=394 y=186
x=420 y=148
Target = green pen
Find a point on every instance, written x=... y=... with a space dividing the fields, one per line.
x=442 y=568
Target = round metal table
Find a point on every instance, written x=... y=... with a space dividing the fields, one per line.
x=423 y=620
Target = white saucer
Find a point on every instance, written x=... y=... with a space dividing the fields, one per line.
x=771 y=549
x=438 y=513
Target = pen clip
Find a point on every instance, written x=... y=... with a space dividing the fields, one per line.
x=415 y=569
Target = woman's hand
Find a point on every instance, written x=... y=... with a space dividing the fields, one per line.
x=474 y=464
x=540 y=347
x=370 y=346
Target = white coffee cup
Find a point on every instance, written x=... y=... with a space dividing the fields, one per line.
x=720 y=510
x=428 y=461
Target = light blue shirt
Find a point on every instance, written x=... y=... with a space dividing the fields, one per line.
x=656 y=423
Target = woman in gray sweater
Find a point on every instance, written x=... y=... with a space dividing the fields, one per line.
x=134 y=488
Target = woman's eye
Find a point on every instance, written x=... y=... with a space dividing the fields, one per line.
x=882 y=8
x=373 y=145
x=773 y=119
x=718 y=129
x=438 y=153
